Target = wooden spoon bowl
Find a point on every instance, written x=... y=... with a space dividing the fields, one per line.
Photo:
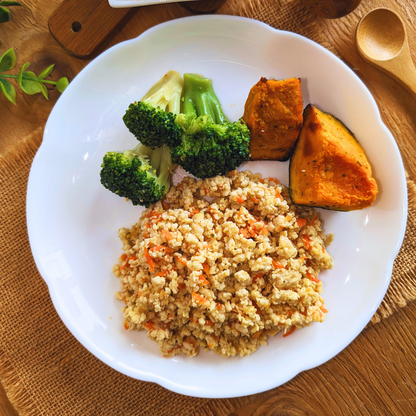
x=382 y=40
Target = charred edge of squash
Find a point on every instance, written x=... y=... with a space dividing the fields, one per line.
x=275 y=160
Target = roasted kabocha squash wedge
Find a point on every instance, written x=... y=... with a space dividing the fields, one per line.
x=328 y=168
x=273 y=113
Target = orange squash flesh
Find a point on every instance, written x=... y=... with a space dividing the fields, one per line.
x=328 y=168
x=273 y=113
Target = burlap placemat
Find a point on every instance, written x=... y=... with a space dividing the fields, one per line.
x=44 y=370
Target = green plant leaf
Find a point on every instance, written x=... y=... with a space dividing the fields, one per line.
x=20 y=74
x=44 y=90
x=4 y=15
x=62 y=84
x=46 y=72
x=8 y=60
x=8 y=90
x=28 y=86
x=10 y=3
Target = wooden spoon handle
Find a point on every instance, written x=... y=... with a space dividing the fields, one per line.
x=402 y=69
x=407 y=74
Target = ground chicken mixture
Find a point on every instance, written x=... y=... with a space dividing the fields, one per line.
x=222 y=264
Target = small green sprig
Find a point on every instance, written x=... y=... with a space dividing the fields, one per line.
x=29 y=82
x=4 y=13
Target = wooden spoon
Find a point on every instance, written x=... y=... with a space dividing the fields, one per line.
x=382 y=40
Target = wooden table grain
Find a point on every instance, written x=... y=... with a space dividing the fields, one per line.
x=376 y=373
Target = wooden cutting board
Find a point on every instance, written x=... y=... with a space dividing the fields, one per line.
x=84 y=28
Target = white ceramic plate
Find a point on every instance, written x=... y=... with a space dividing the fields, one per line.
x=73 y=220
x=138 y=3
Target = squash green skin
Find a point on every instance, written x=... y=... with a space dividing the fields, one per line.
x=328 y=168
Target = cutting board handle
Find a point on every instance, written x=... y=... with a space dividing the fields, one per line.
x=203 y=6
x=83 y=28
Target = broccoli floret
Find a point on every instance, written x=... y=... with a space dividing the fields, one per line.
x=141 y=175
x=211 y=145
x=152 y=120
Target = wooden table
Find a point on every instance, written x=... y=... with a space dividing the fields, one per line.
x=376 y=373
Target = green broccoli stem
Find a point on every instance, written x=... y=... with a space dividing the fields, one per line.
x=166 y=93
x=199 y=99
x=160 y=160
x=165 y=165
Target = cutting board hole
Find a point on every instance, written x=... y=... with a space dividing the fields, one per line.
x=76 y=26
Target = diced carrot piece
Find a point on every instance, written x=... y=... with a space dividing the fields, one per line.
x=244 y=232
x=164 y=273
x=323 y=309
x=233 y=172
x=126 y=327
x=200 y=300
x=193 y=212
x=168 y=250
x=167 y=234
x=278 y=194
x=149 y=260
x=240 y=200
x=156 y=248
x=301 y=222
x=181 y=260
x=219 y=305
x=312 y=277
x=203 y=281
x=206 y=268
x=132 y=258
x=261 y=180
x=264 y=231
x=255 y=200
x=123 y=256
x=153 y=214
x=277 y=265
x=291 y=331
x=124 y=266
x=257 y=277
x=165 y=205
x=307 y=241
x=323 y=249
x=257 y=334
x=149 y=325
x=181 y=286
x=273 y=180
x=208 y=322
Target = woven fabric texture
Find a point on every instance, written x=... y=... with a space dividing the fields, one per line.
x=44 y=370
